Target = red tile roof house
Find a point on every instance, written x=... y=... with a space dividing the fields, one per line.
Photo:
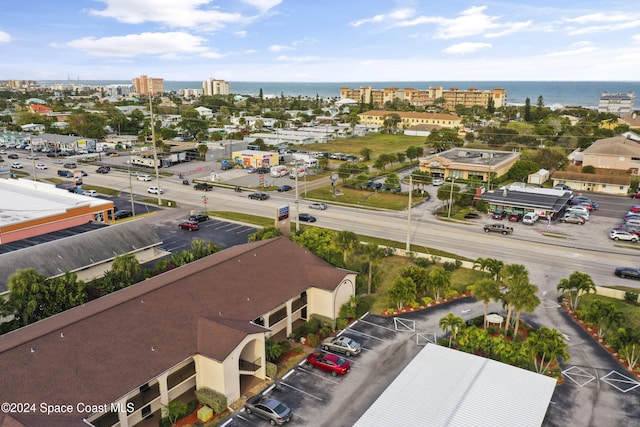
x=41 y=109
x=201 y=325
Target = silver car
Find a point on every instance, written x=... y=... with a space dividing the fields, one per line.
x=344 y=345
x=272 y=410
x=318 y=205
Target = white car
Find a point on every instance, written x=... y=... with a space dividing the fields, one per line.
x=144 y=178
x=580 y=209
x=623 y=235
x=154 y=190
x=41 y=166
x=437 y=182
x=16 y=165
x=92 y=193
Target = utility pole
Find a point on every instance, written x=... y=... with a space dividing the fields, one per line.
x=133 y=209
x=295 y=171
x=155 y=150
x=408 y=247
x=453 y=182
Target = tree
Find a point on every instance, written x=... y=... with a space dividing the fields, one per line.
x=604 y=314
x=550 y=159
x=61 y=293
x=577 y=284
x=372 y=253
x=515 y=277
x=413 y=152
x=589 y=169
x=402 y=292
x=485 y=290
x=527 y=110
x=125 y=271
x=174 y=410
x=392 y=181
x=481 y=264
x=521 y=170
x=626 y=341
x=25 y=294
x=202 y=150
x=346 y=241
x=366 y=153
x=390 y=122
x=451 y=323
x=495 y=266
x=439 y=281
x=264 y=234
x=523 y=298
x=545 y=346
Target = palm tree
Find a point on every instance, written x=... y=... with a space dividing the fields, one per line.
x=452 y=323
x=25 y=289
x=546 y=345
x=576 y=285
x=372 y=254
x=627 y=342
x=481 y=264
x=439 y=280
x=524 y=299
x=345 y=241
x=485 y=290
x=494 y=266
x=513 y=275
x=604 y=314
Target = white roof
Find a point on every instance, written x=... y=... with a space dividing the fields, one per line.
x=445 y=387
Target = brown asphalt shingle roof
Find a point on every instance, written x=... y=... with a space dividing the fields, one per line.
x=97 y=352
x=590 y=177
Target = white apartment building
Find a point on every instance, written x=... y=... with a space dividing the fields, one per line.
x=216 y=87
x=620 y=104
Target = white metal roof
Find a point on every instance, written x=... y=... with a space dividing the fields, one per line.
x=445 y=387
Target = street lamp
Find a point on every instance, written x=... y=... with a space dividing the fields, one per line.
x=453 y=181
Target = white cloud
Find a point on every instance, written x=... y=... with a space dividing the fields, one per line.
x=575 y=49
x=241 y=33
x=263 y=5
x=573 y=31
x=166 y=45
x=394 y=16
x=5 y=37
x=297 y=58
x=176 y=14
x=601 y=17
x=279 y=48
x=467 y=47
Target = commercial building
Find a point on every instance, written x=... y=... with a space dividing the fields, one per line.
x=410 y=118
x=148 y=85
x=38 y=208
x=621 y=104
x=255 y=158
x=520 y=199
x=200 y=325
x=118 y=90
x=422 y=98
x=215 y=87
x=597 y=183
x=465 y=163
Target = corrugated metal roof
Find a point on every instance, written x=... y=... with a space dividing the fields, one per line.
x=445 y=387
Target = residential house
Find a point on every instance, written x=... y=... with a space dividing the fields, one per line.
x=597 y=183
x=409 y=119
x=618 y=152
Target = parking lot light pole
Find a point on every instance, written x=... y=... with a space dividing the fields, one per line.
x=453 y=181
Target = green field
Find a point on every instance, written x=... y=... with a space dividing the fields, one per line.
x=377 y=143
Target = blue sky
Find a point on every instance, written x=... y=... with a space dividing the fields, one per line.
x=320 y=41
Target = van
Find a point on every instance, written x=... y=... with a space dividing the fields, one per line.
x=65 y=173
x=70 y=165
x=530 y=218
x=279 y=170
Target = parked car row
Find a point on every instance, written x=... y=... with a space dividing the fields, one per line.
x=629 y=229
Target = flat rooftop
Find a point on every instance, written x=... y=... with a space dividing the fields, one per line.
x=476 y=157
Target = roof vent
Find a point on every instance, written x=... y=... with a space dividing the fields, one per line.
x=61 y=334
x=33 y=350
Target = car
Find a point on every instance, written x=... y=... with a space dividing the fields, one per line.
x=328 y=362
x=587 y=205
x=344 y=345
x=92 y=193
x=267 y=408
x=628 y=272
x=562 y=187
x=83 y=173
x=144 y=177
x=499 y=214
x=262 y=170
x=437 y=182
x=58 y=162
x=471 y=215
x=12 y=156
x=515 y=217
x=623 y=235
x=634 y=209
x=123 y=213
x=103 y=169
x=577 y=208
x=252 y=170
x=258 y=196
x=65 y=173
x=635 y=195
x=634 y=222
x=199 y=217
x=203 y=186
x=573 y=219
x=32 y=157
x=70 y=165
x=530 y=218
x=189 y=225
x=284 y=188
x=41 y=166
x=16 y=165
x=583 y=215
x=306 y=217
x=155 y=190
x=318 y=205
x=112 y=154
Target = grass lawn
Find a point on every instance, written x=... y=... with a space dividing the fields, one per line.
x=377 y=143
x=364 y=198
x=631 y=311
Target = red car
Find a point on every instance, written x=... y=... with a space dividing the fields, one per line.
x=635 y=208
x=635 y=195
x=189 y=225
x=515 y=217
x=329 y=362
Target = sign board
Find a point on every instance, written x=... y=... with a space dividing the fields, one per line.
x=283 y=212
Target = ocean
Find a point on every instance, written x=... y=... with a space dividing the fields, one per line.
x=575 y=93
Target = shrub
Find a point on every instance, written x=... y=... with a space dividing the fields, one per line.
x=427 y=300
x=341 y=323
x=313 y=340
x=415 y=305
x=631 y=297
x=324 y=332
x=273 y=350
x=323 y=322
x=285 y=346
x=423 y=262
x=451 y=293
x=298 y=350
x=272 y=370
x=211 y=398
x=452 y=266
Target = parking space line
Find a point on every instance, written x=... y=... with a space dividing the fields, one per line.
x=231 y=419
x=313 y=372
x=380 y=326
x=366 y=335
x=302 y=391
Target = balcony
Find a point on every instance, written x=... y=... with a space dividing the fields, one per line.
x=249 y=368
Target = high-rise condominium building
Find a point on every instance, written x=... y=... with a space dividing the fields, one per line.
x=216 y=87
x=148 y=85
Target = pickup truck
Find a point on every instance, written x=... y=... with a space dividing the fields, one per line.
x=498 y=228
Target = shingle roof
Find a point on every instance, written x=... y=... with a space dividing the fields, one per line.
x=412 y=115
x=97 y=352
x=79 y=251
x=615 y=146
x=590 y=177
